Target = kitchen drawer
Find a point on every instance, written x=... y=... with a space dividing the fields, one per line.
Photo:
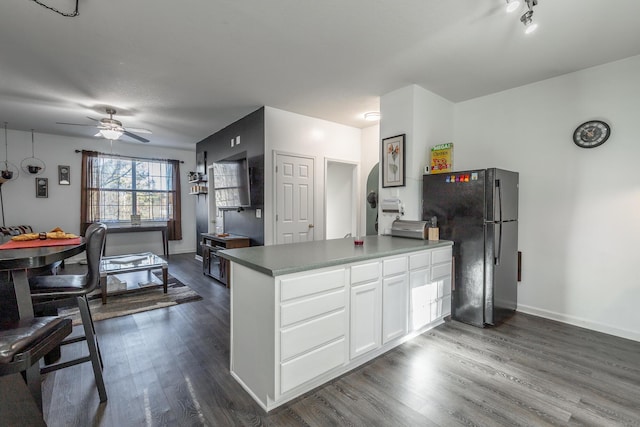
x=365 y=272
x=314 y=333
x=307 y=308
x=308 y=284
x=419 y=260
x=440 y=270
x=441 y=255
x=394 y=266
x=420 y=277
x=310 y=365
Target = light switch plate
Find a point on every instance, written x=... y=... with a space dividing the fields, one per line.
x=258 y=213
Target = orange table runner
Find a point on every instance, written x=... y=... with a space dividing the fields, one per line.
x=12 y=244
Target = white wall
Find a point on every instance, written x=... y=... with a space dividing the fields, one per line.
x=427 y=120
x=579 y=208
x=62 y=207
x=297 y=134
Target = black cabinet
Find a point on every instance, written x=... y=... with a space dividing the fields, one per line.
x=212 y=264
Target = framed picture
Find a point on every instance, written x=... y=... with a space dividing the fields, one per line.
x=393 y=156
x=42 y=187
x=64 y=175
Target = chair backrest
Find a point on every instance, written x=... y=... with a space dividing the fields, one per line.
x=95 y=237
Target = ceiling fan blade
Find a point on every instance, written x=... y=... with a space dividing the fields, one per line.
x=134 y=136
x=95 y=120
x=75 y=124
x=139 y=130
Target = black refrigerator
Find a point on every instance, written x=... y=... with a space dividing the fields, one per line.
x=478 y=211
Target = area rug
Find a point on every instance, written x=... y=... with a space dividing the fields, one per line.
x=136 y=302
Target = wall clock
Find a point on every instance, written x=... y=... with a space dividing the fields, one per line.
x=591 y=134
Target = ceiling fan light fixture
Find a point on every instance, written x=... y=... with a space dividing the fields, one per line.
x=112 y=134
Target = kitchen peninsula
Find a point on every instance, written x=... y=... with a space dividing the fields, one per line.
x=305 y=313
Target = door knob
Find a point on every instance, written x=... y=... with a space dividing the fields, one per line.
x=310 y=225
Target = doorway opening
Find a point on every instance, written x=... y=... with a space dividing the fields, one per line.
x=341 y=199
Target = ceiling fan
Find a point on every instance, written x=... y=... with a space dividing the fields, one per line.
x=111 y=128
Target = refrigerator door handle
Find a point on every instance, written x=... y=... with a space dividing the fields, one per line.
x=496 y=259
x=499 y=190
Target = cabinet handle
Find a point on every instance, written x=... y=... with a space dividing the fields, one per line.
x=311 y=225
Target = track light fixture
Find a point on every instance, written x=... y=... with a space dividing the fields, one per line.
x=527 y=17
x=512 y=5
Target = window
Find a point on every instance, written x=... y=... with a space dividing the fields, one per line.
x=115 y=187
x=132 y=186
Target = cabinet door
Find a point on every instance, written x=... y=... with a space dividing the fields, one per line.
x=365 y=318
x=395 y=305
x=422 y=293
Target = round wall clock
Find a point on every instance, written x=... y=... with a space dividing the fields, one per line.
x=591 y=134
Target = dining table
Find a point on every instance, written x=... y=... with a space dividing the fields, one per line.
x=18 y=257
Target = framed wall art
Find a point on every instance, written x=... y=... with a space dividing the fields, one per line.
x=393 y=158
x=42 y=187
x=64 y=175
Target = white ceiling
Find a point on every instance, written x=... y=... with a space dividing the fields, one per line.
x=186 y=69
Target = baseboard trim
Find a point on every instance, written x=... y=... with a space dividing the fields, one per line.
x=581 y=322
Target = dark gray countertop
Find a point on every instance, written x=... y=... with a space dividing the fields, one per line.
x=295 y=257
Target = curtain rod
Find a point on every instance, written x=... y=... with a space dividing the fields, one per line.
x=130 y=157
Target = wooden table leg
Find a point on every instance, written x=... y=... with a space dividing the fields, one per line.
x=23 y=294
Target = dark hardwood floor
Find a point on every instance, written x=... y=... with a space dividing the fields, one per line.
x=171 y=367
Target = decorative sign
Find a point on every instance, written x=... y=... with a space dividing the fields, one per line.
x=42 y=187
x=64 y=175
x=442 y=158
x=135 y=220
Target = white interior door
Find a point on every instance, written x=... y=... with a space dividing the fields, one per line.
x=294 y=198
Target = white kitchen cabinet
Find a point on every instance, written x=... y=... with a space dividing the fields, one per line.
x=395 y=294
x=294 y=331
x=395 y=306
x=313 y=326
x=422 y=292
x=365 y=318
x=429 y=287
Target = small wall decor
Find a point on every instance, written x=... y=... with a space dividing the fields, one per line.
x=135 y=220
x=64 y=175
x=442 y=158
x=42 y=187
x=393 y=157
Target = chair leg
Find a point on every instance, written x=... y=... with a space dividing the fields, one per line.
x=93 y=328
x=89 y=332
x=32 y=377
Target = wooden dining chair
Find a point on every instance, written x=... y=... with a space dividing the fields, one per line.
x=51 y=292
x=24 y=342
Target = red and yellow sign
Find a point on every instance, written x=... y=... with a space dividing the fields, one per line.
x=442 y=158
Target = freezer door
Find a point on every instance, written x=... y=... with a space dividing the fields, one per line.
x=501 y=273
x=502 y=195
